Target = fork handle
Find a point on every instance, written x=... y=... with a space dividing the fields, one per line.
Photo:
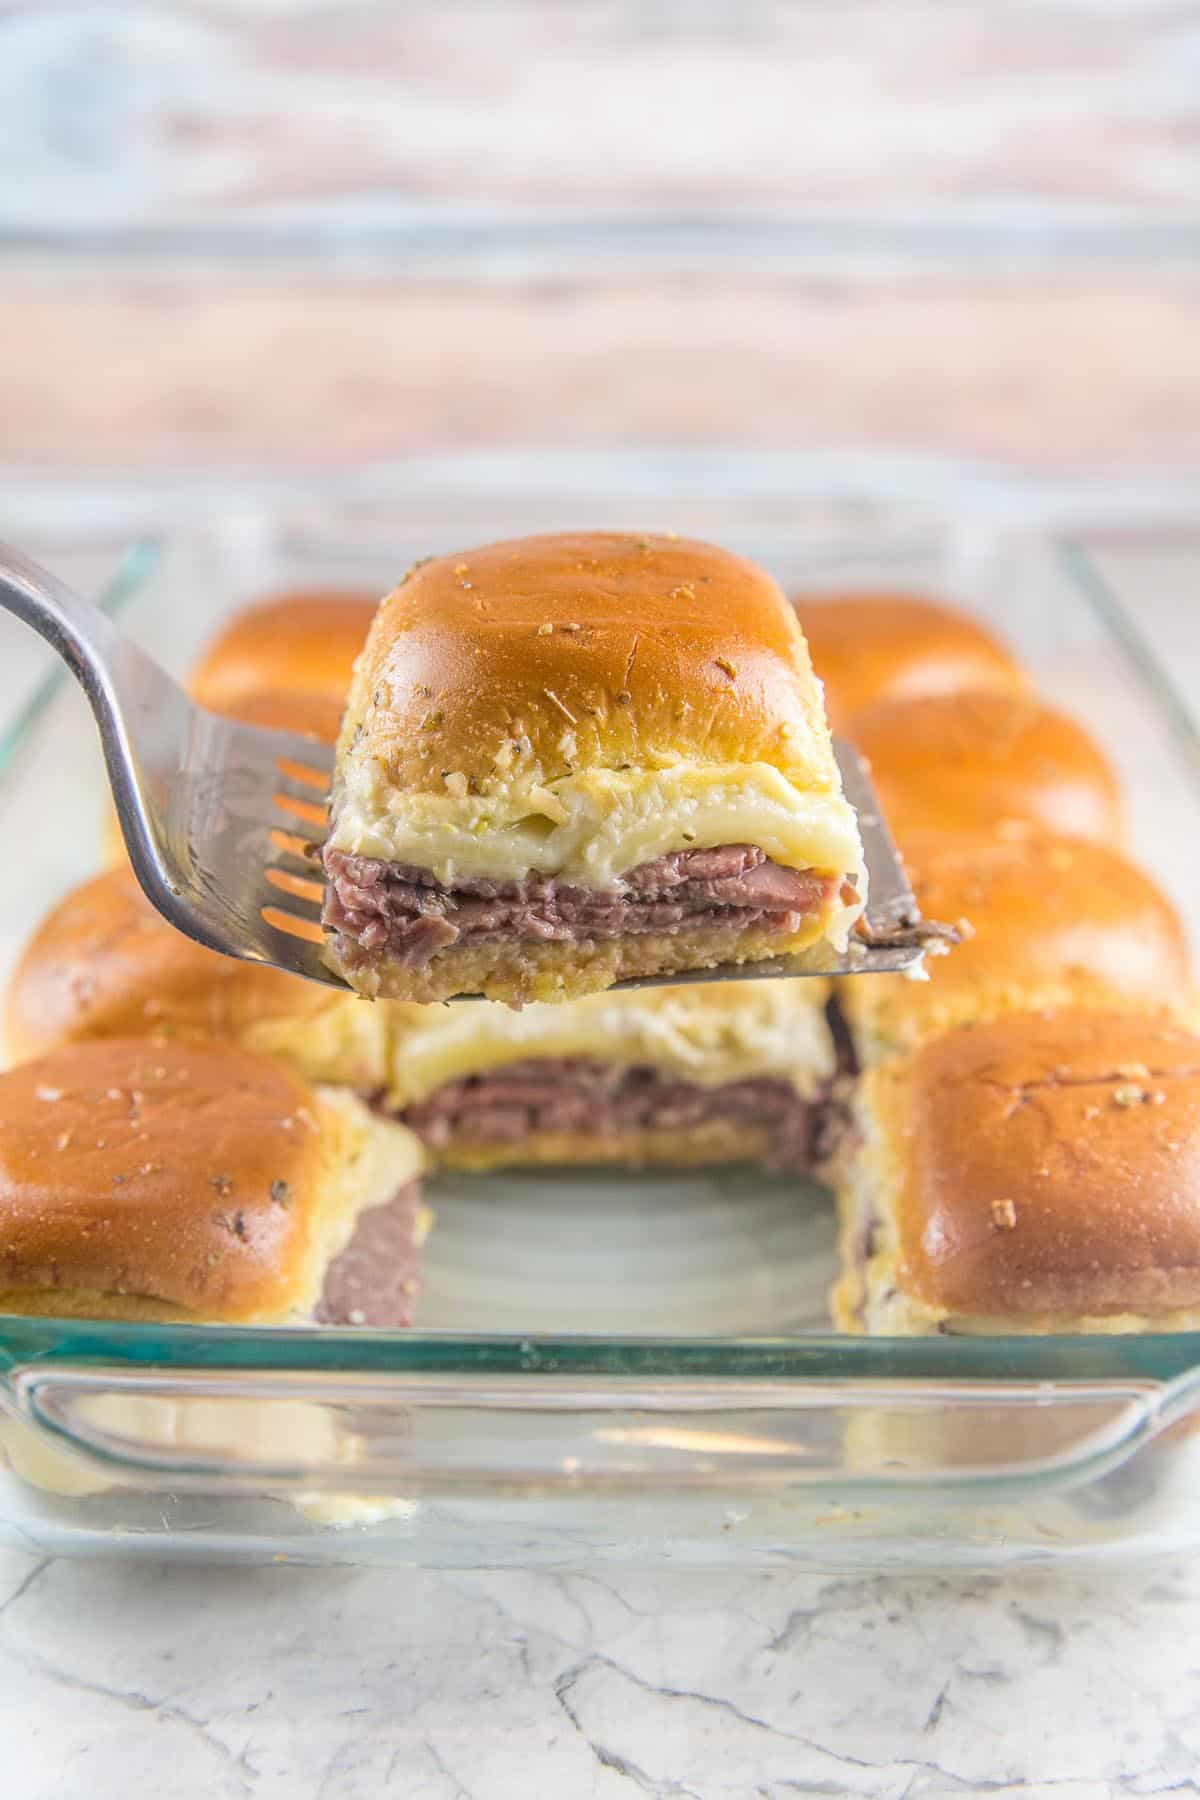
x=85 y=639
x=129 y=694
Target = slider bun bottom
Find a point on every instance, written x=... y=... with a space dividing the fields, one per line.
x=696 y=1147
x=92 y=1303
x=522 y=972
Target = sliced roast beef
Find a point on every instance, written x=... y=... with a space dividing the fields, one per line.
x=377 y=907
x=573 y=1095
x=374 y=1280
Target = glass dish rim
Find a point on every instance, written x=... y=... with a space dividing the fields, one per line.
x=724 y=1362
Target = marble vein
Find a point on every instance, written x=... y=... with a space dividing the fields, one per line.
x=23 y=1586
x=456 y=1790
x=612 y=1759
x=236 y=1762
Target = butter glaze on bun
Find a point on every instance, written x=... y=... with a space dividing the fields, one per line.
x=181 y=1181
x=972 y=762
x=1053 y=922
x=1039 y=1172
x=869 y=647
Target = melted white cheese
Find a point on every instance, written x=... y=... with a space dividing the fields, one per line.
x=590 y=828
x=776 y=1028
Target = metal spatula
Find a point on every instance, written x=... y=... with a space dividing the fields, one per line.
x=221 y=819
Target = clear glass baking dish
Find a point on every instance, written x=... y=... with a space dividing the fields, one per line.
x=604 y=1367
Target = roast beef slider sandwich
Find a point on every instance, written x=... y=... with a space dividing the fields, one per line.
x=1036 y=1173
x=572 y=759
x=979 y=761
x=869 y=647
x=1046 y=922
x=197 y=1182
x=671 y=1076
x=681 y=1076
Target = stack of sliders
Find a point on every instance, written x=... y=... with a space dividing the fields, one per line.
x=1025 y=1154
x=564 y=760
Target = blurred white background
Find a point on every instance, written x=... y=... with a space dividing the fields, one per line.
x=247 y=233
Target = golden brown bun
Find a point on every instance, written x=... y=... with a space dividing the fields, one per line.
x=869 y=647
x=158 y=1180
x=601 y=649
x=1055 y=922
x=303 y=642
x=974 y=761
x=316 y=716
x=1046 y=1165
x=105 y=964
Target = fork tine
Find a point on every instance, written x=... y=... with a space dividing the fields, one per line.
x=298 y=807
x=295 y=945
x=298 y=788
x=292 y=927
x=305 y=890
x=285 y=746
x=304 y=775
x=298 y=863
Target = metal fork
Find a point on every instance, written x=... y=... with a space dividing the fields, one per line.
x=222 y=820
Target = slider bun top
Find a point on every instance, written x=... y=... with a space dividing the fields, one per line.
x=1053 y=922
x=580 y=704
x=177 y=1181
x=974 y=761
x=302 y=642
x=1045 y=1165
x=868 y=647
x=580 y=651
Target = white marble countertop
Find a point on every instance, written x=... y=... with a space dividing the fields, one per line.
x=349 y=1683
x=127 y=1678
x=311 y=1684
